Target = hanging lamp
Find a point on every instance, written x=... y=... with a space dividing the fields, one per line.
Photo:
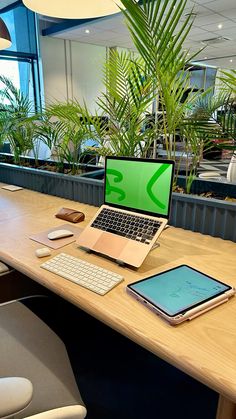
x=74 y=9
x=5 y=39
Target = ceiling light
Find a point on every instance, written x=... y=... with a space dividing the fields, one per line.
x=74 y=9
x=220 y=26
x=205 y=58
x=87 y=31
x=231 y=61
x=5 y=39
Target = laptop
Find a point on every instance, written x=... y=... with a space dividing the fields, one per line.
x=137 y=196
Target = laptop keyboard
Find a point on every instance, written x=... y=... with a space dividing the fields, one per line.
x=127 y=225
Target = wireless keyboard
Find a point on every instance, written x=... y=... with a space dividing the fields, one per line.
x=83 y=273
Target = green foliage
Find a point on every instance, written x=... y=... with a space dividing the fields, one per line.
x=16 y=120
x=63 y=130
x=158 y=82
x=228 y=115
x=62 y=127
x=229 y=80
x=12 y=100
x=200 y=129
x=127 y=98
x=158 y=35
x=222 y=129
x=207 y=104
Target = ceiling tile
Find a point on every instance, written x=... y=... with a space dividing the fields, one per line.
x=229 y=33
x=111 y=31
x=219 y=5
x=204 y=2
x=231 y=13
x=199 y=9
x=202 y=37
x=213 y=27
x=213 y=18
x=195 y=31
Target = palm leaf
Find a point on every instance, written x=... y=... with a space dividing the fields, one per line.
x=154 y=27
x=229 y=79
x=127 y=97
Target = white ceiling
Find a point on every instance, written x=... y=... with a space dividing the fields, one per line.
x=111 y=31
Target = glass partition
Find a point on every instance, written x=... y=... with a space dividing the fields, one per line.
x=20 y=62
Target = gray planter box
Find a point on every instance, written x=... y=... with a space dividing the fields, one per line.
x=207 y=216
x=77 y=188
x=211 y=216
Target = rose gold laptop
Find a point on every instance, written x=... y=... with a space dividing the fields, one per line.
x=137 y=196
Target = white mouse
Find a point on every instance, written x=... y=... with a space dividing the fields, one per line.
x=42 y=252
x=59 y=234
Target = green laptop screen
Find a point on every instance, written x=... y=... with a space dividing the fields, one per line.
x=143 y=185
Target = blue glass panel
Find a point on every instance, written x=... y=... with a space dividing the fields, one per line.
x=20 y=62
x=21 y=25
x=210 y=77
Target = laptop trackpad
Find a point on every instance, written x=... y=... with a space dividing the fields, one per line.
x=110 y=245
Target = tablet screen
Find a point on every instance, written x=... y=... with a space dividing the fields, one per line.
x=177 y=290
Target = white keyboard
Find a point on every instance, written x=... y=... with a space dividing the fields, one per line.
x=83 y=273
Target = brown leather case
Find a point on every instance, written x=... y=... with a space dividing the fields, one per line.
x=71 y=215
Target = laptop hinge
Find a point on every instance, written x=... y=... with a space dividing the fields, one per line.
x=155 y=245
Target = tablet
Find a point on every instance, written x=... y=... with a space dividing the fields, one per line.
x=181 y=293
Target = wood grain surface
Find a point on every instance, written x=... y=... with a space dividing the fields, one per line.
x=204 y=348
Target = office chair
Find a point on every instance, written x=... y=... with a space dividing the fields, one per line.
x=37 y=380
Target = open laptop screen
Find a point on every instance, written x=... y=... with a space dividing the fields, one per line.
x=142 y=185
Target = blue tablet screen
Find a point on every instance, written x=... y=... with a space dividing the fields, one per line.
x=178 y=289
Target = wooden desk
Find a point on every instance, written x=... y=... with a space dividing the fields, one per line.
x=204 y=348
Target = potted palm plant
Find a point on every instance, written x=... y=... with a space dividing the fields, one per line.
x=16 y=125
x=228 y=121
x=127 y=98
x=158 y=36
x=61 y=129
x=158 y=83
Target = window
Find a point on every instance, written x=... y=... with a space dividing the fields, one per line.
x=203 y=77
x=20 y=62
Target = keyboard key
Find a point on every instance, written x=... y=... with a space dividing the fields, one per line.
x=130 y=226
x=83 y=273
